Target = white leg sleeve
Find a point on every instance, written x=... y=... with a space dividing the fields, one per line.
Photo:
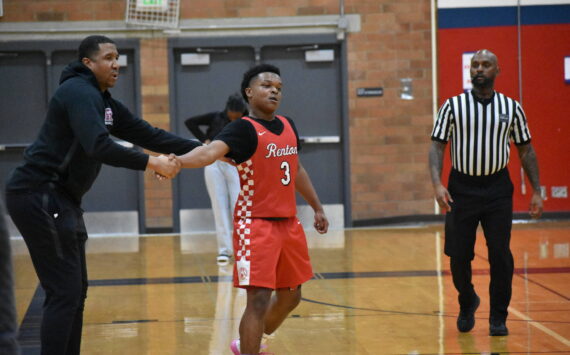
x=217 y=189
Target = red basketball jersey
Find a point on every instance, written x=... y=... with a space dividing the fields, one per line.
x=268 y=178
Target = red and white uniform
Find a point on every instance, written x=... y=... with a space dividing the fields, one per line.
x=269 y=242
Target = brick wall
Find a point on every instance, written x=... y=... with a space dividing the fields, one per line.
x=389 y=137
x=63 y=10
x=155 y=109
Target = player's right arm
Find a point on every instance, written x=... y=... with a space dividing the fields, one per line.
x=204 y=155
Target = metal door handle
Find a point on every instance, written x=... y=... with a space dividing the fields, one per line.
x=4 y=147
x=320 y=139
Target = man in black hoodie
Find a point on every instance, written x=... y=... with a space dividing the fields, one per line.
x=43 y=196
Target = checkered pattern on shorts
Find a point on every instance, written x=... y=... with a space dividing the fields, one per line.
x=243 y=207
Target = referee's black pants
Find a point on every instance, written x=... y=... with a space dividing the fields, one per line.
x=487 y=200
x=52 y=227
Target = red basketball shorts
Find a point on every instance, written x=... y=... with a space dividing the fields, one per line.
x=270 y=253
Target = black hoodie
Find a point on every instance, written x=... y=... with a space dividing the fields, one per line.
x=74 y=139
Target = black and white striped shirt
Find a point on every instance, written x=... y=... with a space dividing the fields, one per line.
x=480 y=131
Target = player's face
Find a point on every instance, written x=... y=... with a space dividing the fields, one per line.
x=484 y=69
x=264 y=92
x=104 y=65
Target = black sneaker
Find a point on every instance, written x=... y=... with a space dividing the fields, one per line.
x=466 y=318
x=498 y=328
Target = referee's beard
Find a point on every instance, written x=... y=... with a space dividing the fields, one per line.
x=486 y=83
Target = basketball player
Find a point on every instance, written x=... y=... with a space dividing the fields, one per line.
x=222 y=181
x=270 y=247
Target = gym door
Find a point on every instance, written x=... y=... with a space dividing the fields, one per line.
x=199 y=89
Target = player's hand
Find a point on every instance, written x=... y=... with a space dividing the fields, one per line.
x=165 y=166
x=536 y=205
x=160 y=177
x=321 y=222
x=173 y=159
x=443 y=198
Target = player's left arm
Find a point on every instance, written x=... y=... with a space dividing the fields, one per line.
x=305 y=187
x=529 y=163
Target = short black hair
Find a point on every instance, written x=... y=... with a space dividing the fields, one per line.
x=90 y=45
x=255 y=71
x=235 y=103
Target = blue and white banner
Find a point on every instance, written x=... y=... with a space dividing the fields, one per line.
x=466 y=69
x=488 y=13
x=450 y=4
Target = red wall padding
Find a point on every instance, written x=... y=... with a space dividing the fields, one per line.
x=546 y=97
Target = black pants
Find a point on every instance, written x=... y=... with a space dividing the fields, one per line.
x=8 y=322
x=487 y=200
x=54 y=232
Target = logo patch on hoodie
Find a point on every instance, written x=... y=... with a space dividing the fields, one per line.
x=108 y=116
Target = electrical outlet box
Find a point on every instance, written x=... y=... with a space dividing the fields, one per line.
x=559 y=191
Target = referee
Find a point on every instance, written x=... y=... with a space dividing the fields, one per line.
x=480 y=125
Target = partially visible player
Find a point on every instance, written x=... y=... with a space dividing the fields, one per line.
x=270 y=246
x=222 y=181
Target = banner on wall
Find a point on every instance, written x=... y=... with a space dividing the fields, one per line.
x=466 y=66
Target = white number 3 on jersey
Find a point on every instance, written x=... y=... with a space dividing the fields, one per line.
x=287 y=171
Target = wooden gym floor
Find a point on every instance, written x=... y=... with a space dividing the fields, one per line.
x=375 y=291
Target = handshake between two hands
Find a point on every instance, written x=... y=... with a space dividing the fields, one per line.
x=165 y=167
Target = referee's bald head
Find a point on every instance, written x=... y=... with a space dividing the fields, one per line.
x=487 y=54
x=484 y=69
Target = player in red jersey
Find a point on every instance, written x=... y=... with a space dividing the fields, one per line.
x=270 y=246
